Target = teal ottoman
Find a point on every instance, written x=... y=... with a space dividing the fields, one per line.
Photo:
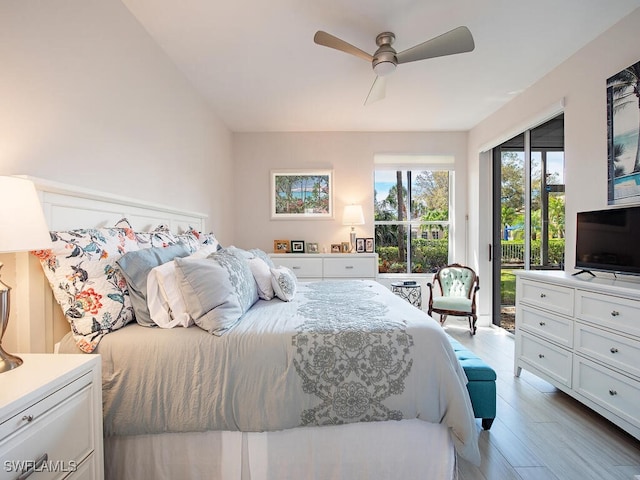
x=482 y=383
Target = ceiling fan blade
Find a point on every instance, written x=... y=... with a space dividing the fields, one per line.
x=458 y=40
x=327 y=40
x=377 y=91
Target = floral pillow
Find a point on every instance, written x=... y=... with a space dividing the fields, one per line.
x=87 y=283
x=284 y=283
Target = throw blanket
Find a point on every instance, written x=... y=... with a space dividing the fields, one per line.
x=340 y=352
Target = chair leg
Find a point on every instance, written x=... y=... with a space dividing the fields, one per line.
x=472 y=324
x=443 y=318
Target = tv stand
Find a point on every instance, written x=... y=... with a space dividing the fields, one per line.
x=583 y=271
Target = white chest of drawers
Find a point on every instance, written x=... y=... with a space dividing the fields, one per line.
x=583 y=336
x=337 y=266
x=51 y=418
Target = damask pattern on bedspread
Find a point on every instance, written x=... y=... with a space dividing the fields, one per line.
x=350 y=355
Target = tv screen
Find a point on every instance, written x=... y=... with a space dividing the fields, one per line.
x=608 y=240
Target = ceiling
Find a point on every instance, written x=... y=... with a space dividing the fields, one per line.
x=256 y=63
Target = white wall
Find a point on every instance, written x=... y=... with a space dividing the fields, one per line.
x=581 y=83
x=350 y=156
x=87 y=98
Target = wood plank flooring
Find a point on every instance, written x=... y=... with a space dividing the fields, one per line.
x=540 y=433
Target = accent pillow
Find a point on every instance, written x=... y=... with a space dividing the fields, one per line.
x=159 y=237
x=164 y=298
x=206 y=238
x=217 y=290
x=86 y=281
x=284 y=283
x=136 y=266
x=262 y=275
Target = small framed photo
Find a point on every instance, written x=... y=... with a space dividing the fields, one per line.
x=312 y=247
x=368 y=245
x=360 y=248
x=336 y=248
x=297 y=246
x=281 y=246
x=345 y=247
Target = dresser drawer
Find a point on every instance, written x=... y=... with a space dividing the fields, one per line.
x=349 y=267
x=621 y=314
x=551 y=360
x=303 y=267
x=617 y=351
x=62 y=431
x=555 y=298
x=553 y=327
x=617 y=393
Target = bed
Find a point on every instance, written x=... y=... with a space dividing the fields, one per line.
x=341 y=380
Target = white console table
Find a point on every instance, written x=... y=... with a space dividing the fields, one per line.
x=311 y=267
x=582 y=334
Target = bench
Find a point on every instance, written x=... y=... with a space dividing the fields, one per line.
x=482 y=383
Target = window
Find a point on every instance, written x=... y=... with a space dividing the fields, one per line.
x=411 y=216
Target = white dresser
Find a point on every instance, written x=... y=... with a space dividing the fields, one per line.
x=582 y=334
x=51 y=418
x=310 y=267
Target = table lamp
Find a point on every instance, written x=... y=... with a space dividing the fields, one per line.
x=353 y=215
x=22 y=228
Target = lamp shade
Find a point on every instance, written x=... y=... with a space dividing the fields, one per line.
x=22 y=223
x=353 y=215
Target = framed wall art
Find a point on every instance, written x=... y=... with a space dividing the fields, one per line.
x=301 y=194
x=623 y=137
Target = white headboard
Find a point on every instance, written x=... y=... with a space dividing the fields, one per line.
x=37 y=316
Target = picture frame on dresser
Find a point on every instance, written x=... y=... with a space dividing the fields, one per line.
x=281 y=246
x=360 y=245
x=312 y=247
x=297 y=246
x=301 y=194
x=368 y=245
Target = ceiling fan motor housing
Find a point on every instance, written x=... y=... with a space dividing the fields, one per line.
x=384 y=60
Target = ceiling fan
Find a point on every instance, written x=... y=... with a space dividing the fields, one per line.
x=385 y=59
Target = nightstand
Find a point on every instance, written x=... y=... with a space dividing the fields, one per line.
x=411 y=292
x=51 y=418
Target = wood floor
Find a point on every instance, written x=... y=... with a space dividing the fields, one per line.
x=541 y=433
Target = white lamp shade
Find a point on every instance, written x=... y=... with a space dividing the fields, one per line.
x=353 y=215
x=22 y=223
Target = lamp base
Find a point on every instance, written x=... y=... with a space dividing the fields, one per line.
x=8 y=361
x=352 y=240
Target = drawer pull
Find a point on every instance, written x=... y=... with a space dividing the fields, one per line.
x=615 y=313
x=349 y=267
x=542 y=295
x=28 y=418
x=612 y=392
x=613 y=350
x=540 y=355
x=542 y=324
x=295 y=268
x=34 y=466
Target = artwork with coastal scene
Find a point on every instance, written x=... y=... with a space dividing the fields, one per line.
x=301 y=194
x=623 y=135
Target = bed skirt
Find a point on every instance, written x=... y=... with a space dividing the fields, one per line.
x=406 y=449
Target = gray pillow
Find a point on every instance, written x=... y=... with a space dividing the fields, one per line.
x=217 y=290
x=136 y=266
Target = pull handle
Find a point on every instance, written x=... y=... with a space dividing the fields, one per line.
x=615 y=313
x=613 y=350
x=543 y=295
x=349 y=267
x=296 y=268
x=27 y=418
x=34 y=466
x=542 y=324
x=613 y=393
x=540 y=355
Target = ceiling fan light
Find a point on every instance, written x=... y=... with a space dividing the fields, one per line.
x=384 y=68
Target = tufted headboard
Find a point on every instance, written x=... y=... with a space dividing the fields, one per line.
x=36 y=315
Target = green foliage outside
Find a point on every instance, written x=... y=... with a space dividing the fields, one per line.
x=428 y=256
x=507 y=287
x=556 y=251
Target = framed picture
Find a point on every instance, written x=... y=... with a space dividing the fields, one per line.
x=368 y=245
x=312 y=247
x=345 y=247
x=281 y=246
x=360 y=245
x=297 y=246
x=623 y=137
x=301 y=194
x=336 y=248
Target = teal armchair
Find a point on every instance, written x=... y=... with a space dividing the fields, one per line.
x=456 y=295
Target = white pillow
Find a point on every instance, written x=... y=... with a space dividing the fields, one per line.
x=262 y=274
x=164 y=297
x=284 y=283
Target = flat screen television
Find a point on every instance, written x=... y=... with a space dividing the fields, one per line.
x=609 y=240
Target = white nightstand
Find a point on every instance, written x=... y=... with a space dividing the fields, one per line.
x=51 y=418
